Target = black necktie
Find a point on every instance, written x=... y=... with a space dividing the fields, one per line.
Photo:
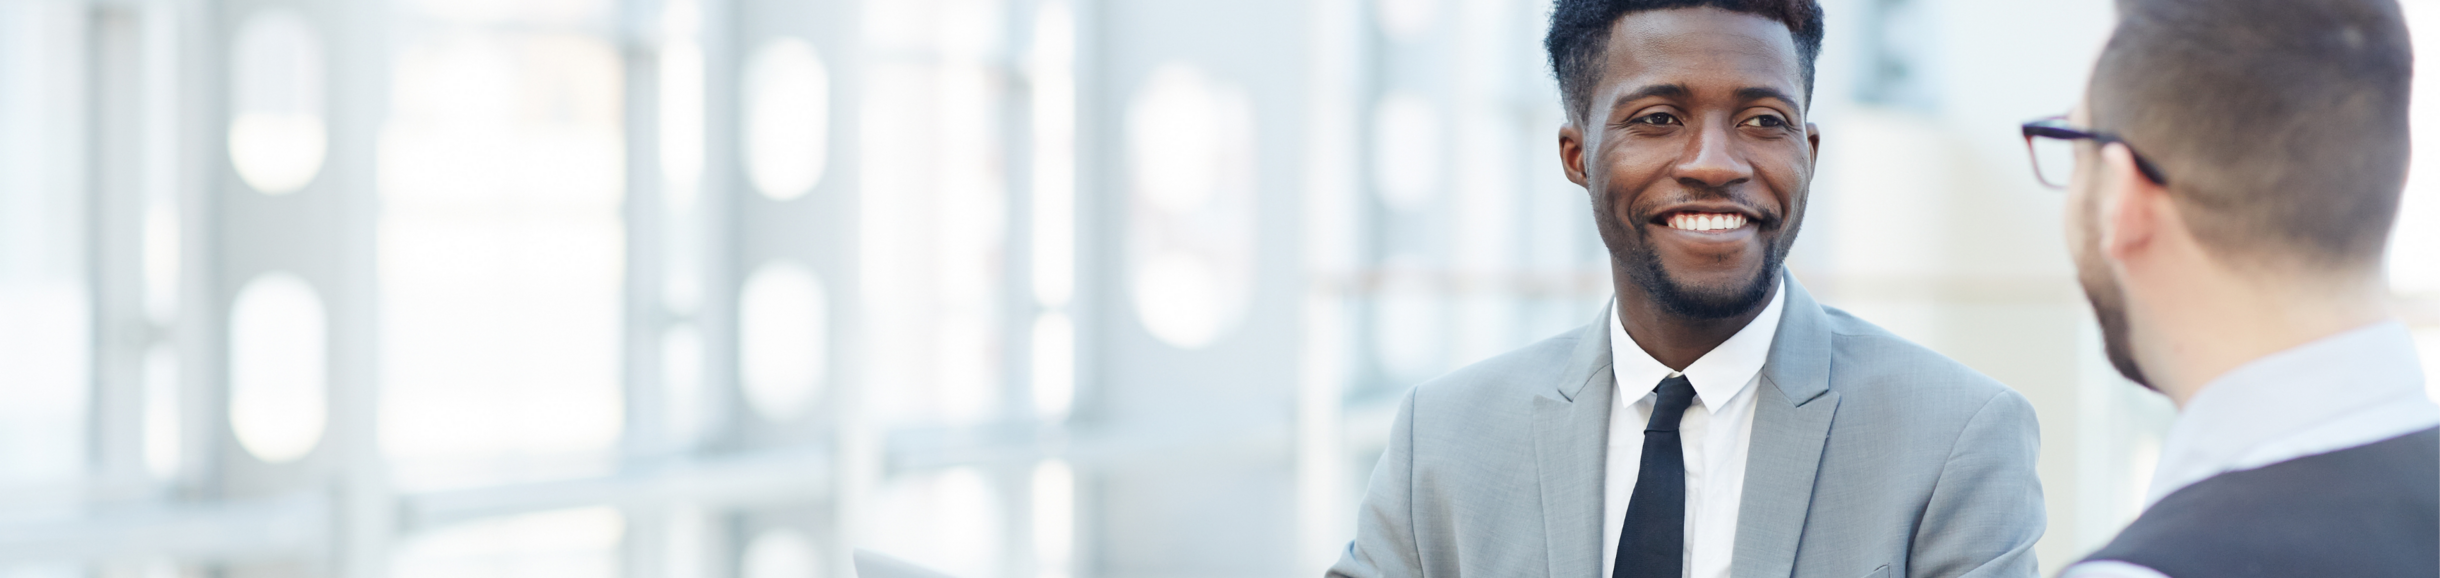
x=1651 y=542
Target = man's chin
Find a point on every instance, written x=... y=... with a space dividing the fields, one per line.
x=1712 y=298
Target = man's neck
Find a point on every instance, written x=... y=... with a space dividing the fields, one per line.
x=1674 y=340
x=2208 y=323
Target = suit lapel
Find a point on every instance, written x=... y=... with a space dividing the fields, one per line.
x=1571 y=424
x=1792 y=415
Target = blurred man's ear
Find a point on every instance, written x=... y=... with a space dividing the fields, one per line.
x=1571 y=152
x=2134 y=210
x=1813 y=135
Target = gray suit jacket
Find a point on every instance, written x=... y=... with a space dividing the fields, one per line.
x=1871 y=457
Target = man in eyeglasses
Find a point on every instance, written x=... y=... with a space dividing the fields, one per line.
x=2237 y=169
x=1716 y=421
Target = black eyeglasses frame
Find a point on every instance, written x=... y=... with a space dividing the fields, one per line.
x=2056 y=127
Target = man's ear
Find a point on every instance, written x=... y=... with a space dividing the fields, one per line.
x=1813 y=137
x=1571 y=152
x=2135 y=209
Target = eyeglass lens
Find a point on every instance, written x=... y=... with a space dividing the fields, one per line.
x=2054 y=160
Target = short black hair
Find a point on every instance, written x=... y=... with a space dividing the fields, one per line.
x=2280 y=125
x=1580 y=32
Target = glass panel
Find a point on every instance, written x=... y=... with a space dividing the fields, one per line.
x=1054 y=520
x=43 y=304
x=682 y=130
x=1190 y=143
x=276 y=133
x=781 y=553
x=1054 y=378
x=787 y=118
x=162 y=424
x=933 y=208
x=564 y=544
x=278 y=368
x=1054 y=124
x=501 y=251
x=683 y=395
x=948 y=521
x=783 y=320
x=1407 y=152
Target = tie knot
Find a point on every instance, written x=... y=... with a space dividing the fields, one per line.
x=1676 y=393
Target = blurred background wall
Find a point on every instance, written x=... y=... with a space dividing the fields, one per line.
x=1012 y=288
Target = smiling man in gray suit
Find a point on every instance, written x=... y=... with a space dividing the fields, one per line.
x=1716 y=421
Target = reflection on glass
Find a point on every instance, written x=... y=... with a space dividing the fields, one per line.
x=1190 y=143
x=276 y=134
x=160 y=260
x=949 y=521
x=1406 y=20
x=783 y=325
x=500 y=252
x=278 y=367
x=161 y=411
x=691 y=544
x=682 y=395
x=579 y=543
x=780 y=553
x=1054 y=378
x=787 y=118
x=1054 y=520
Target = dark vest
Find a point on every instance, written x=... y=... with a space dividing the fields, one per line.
x=2367 y=511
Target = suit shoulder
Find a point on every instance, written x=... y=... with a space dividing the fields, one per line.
x=1870 y=360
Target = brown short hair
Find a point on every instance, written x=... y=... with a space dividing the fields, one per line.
x=2280 y=125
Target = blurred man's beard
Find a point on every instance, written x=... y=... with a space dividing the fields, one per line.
x=2109 y=307
x=1643 y=265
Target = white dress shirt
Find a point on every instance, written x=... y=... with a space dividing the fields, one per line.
x=2339 y=392
x=1715 y=433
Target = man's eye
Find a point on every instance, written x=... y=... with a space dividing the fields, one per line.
x=1660 y=118
x=1766 y=121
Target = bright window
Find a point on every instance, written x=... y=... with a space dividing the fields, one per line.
x=501 y=244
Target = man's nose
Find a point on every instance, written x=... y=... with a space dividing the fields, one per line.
x=1712 y=160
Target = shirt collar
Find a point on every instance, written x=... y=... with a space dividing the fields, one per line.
x=2287 y=393
x=1718 y=375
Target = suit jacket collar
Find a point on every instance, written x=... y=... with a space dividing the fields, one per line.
x=1590 y=361
x=1791 y=425
x=1800 y=355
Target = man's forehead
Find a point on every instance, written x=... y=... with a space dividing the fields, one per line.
x=1700 y=48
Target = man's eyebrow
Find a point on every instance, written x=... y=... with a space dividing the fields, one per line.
x=1667 y=90
x=1762 y=92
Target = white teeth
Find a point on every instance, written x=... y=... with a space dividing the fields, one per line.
x=1706 y=222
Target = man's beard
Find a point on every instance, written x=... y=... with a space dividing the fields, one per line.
x=2109 y=305
x=1643 y=265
